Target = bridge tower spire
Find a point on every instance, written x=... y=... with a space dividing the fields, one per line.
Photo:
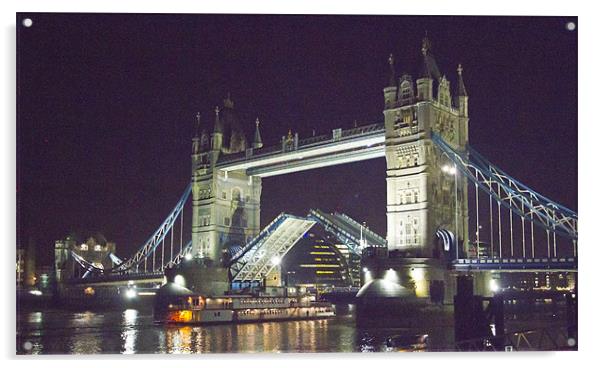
x=462 y=102
x=217 y=137
x=390 y=91
x=423 y=200
x=257 y=142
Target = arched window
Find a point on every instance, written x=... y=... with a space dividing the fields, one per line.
x=415 y=231
x=415 y=195
x=409 y=232
x=406 y=95
x=401 y=233
x=408 y=196
x=236 y=196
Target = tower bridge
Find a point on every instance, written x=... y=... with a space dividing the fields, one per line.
x=449 y=209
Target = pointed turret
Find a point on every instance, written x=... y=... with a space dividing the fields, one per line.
x=218 y=132
x=392 y=71
x=429 y=65
x=462 y=98
x=429 y=72
x=218 y=127
x=204 y=140
x=257 y=142
x=234 y=136
x=390 y=91
x=461 y=87
x=196 y=148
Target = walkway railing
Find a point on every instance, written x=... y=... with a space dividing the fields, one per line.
x=546 y=339
x=336 y=136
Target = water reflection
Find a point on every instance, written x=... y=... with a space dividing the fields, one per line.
x=130 y=331
x=179 y=340
x=84 y=338
x=133 y=331
x=35 y=317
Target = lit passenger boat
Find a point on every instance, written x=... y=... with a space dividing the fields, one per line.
x=258 y=307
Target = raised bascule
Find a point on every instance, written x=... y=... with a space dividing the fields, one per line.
x=449 y=210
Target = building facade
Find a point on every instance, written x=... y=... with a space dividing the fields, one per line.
x=225 y=206
x=424 y=194
x=96 y=250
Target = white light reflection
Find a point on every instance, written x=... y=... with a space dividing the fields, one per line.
x=130 y=333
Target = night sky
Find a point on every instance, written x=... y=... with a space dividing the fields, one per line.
x=106 y=104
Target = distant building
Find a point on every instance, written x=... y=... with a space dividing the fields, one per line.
x=20 y=267
x=96 y=250
x=316 y=261
x=533 y=281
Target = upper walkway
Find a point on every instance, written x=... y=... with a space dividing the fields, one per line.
x=293 y=154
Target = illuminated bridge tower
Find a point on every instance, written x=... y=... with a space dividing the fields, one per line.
x=225 y=205
x=427 y=208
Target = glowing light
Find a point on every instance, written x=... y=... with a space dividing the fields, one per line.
x=493 y=286
x=188 y=257
x=451 y=170
x=276 y=260
x=130 y=293
x=179 y=279
x=365 y=269
x=417 y=274
x=180 y=316
x=35 y=292
x=391 y=276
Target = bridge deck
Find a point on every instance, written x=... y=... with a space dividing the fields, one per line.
x=568 y=264
x=343 y=146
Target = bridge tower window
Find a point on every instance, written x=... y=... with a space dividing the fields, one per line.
x=408 y=196
x=401 y=233
x=236 y=195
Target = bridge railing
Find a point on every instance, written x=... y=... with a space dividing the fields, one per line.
x=564 y=263
x=306 y=142
x=545 y=339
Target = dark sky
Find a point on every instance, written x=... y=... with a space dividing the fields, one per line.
x=106 y=102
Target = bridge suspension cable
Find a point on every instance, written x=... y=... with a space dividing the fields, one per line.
x=556 y=220
x=140 y=258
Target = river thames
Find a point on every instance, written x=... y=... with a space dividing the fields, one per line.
x=132 y=331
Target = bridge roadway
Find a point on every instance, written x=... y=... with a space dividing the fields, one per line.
x=559 y=264
x=342 y=146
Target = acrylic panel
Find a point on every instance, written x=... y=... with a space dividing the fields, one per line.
x=203 y=183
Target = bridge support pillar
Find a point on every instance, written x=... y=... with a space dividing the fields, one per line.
x=485 y=283
x=427 y=278
x=200 y=278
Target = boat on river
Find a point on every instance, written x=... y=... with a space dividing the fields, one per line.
x=181 y=306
